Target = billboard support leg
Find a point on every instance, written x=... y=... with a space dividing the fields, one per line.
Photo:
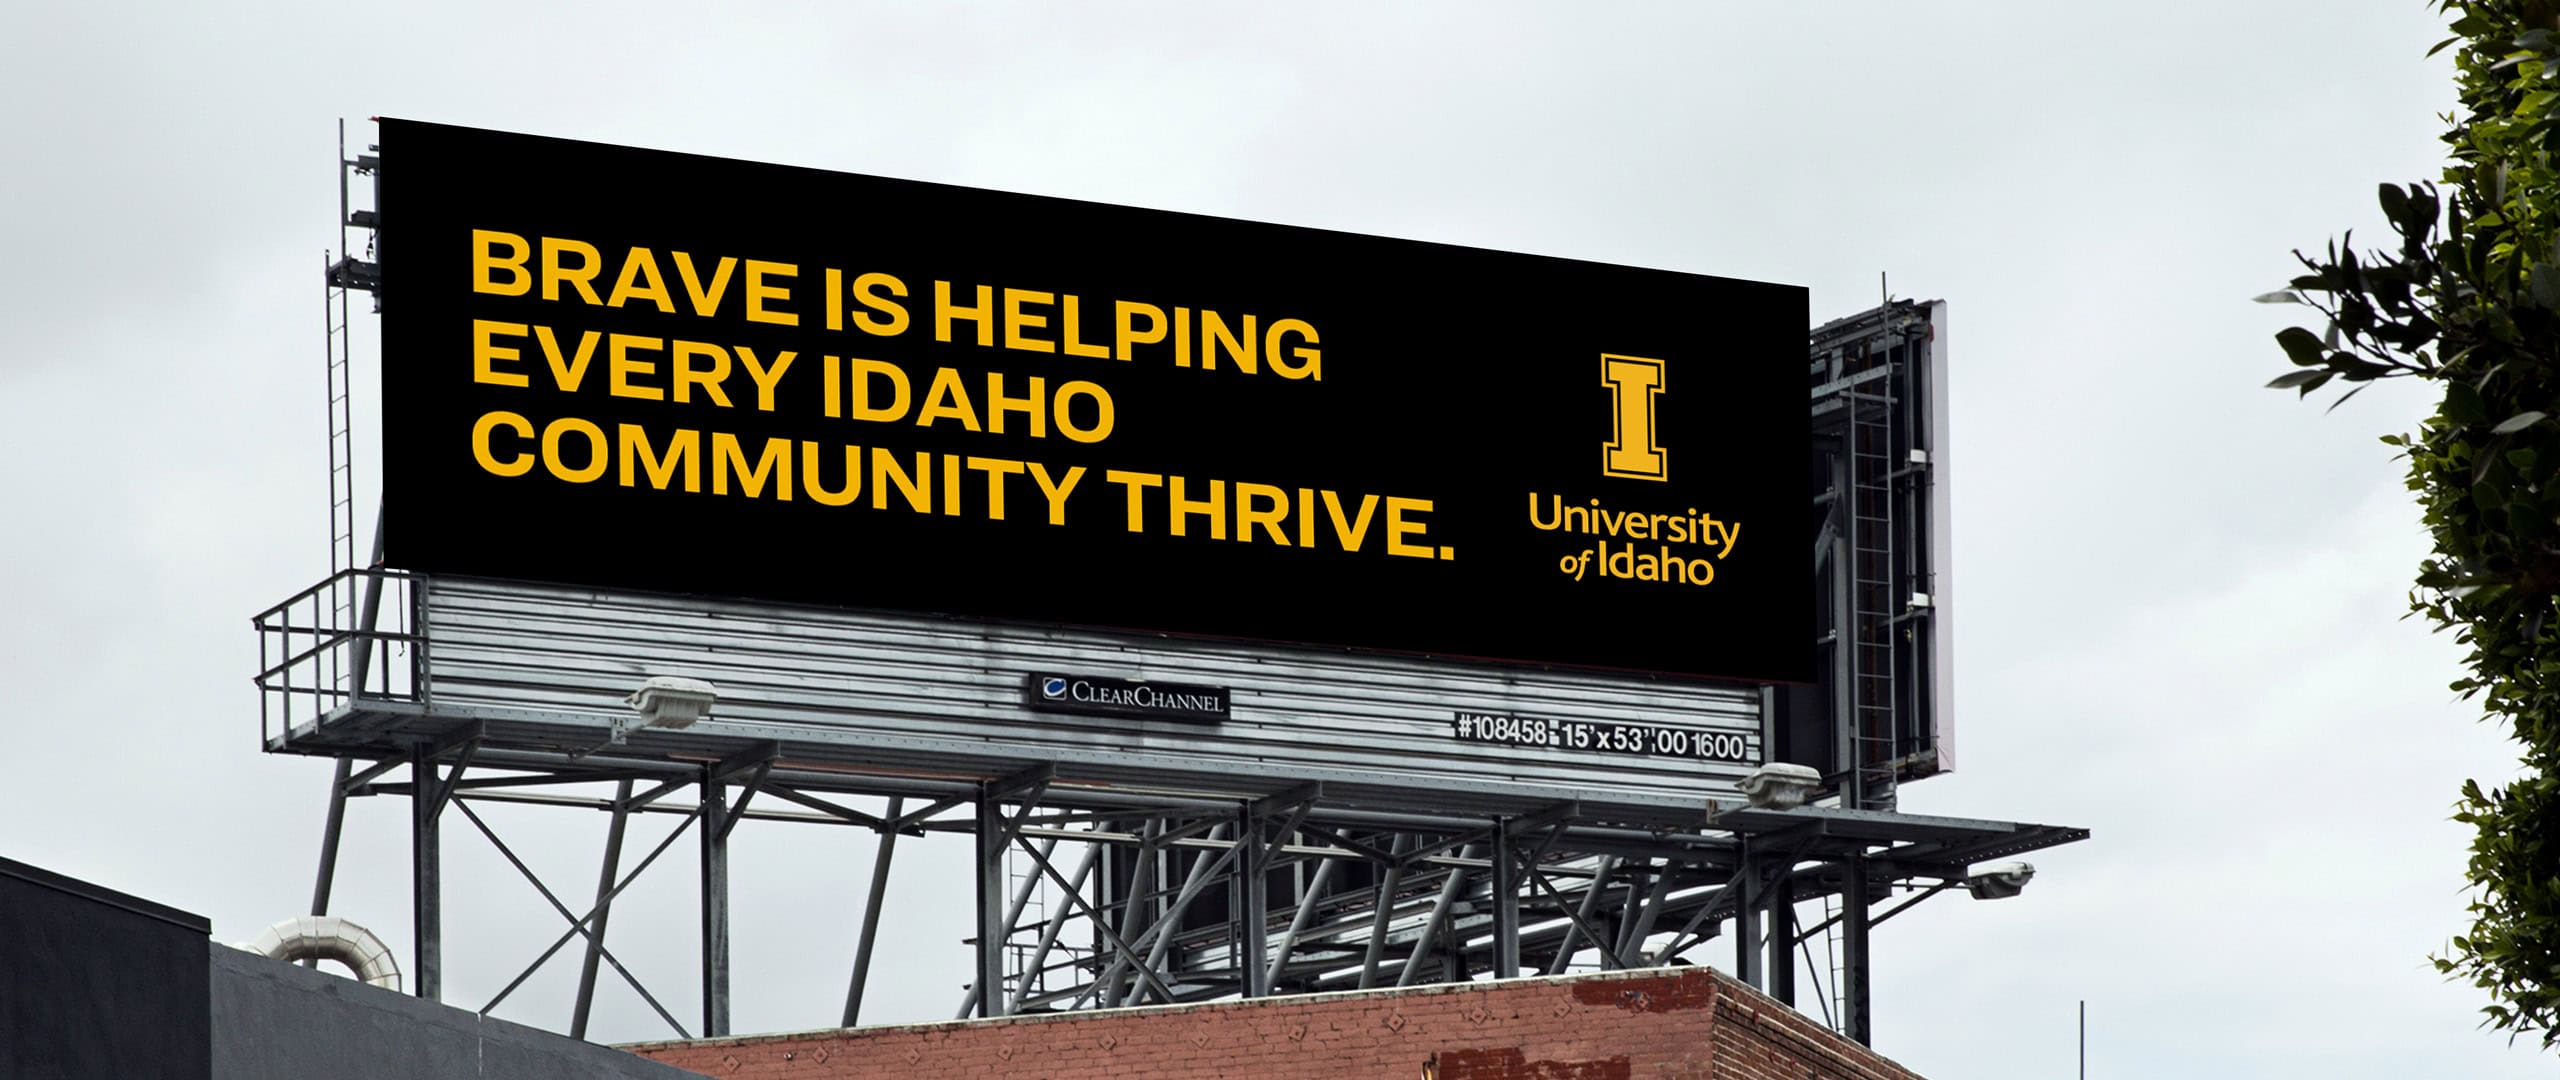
x=604 y=886
x=427 y=796
x=1252 y=866
x=1256 y=843
x=426 y=914
x=1782 y=937
x=994 y=831
x=1506 y=902
x=871 y=910
x=715 y=908
x=990 y=833
x=1853 y=955
x=1746 y=918
x=718 y=817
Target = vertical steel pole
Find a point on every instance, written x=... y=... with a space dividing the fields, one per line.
x=1782 y=936
x=1252 y=859
x=426 y=915
x=871 y=913
x=715 y=908
x=1854 y=985
x=1746 y=920
x=991 y=929
x=604 y=900
x=1506 y=902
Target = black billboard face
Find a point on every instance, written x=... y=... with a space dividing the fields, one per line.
x=633 y=369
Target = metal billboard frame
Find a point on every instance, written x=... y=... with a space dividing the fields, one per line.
x=1195 y=885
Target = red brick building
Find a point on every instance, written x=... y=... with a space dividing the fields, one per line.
x=1678 y=1022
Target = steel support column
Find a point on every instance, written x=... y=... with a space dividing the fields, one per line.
x=879 y=891
x=426 y=849
x=604 y=898
x=1746 y=918
x=715 y=907
x=1251 y=869
x=1854 y=986
x=1506 y=902
x=1782 y=937
x=991 y=840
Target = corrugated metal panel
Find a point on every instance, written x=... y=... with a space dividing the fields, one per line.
x=874 y=679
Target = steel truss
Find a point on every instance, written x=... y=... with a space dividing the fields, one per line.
x=1150 y=896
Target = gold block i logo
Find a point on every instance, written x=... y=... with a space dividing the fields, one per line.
x=1633 y=383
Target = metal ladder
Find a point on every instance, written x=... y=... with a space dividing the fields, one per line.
x=345 y=272
x=1873 y=609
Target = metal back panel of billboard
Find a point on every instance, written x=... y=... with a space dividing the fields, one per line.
x=906 y=694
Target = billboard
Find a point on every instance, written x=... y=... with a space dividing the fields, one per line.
x=639 y=370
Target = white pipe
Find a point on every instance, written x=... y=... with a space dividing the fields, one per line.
x=328 y=937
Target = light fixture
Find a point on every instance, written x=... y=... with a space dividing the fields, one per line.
x=1779 y=785
x=1998 y=881
x=668 y=701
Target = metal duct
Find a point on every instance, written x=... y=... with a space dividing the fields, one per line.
x=328 y=937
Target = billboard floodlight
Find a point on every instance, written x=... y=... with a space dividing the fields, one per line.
x=1779 y=785
x=667 y=701
x=1998 y=881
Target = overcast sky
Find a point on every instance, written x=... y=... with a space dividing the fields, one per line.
x=2179 y=595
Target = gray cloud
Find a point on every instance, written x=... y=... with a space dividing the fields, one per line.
x=2178 y=594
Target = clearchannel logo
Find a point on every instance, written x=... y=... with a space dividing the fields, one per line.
x=1095 y=695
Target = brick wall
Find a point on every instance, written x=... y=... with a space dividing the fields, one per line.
x=1679 y=1022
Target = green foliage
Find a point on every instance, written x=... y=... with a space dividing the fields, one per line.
x=2470 y=299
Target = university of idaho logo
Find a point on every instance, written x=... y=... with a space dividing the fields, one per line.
x=1633 y=382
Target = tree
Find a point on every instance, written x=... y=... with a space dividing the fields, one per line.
x=2470 y=300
